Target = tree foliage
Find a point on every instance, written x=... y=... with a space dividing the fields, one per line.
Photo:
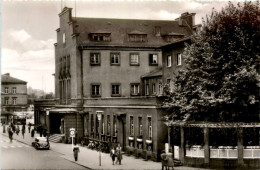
x=221 y=80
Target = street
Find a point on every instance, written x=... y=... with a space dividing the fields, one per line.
x=17 y=155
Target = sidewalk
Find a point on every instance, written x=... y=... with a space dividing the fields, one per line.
x=90 y=158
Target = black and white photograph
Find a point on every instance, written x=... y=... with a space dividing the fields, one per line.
x=130 y=84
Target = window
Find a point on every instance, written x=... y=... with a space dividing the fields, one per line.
x=100 y=37
x=131 y=126
x=97 y=125
x=6 y=100
x=153 y=59
x=115 y=90
x=137 y=37
x=168 y=81
x=153 y=88
x=95 y=90
x=103 y=125
x=134 y=59
x=135 y=89
x=114 y=125
x=6 y=90
x=160 y=89
x=169 y=61
x=150 y=131
x=86 y=123
x=178 y=59
x=147 y=89
x=108 y=125
x=92 y=123
x=14 y=90
x=64 y=38
x=95 y=58
x=14 y=100
x=140 y=123
x=114 y=59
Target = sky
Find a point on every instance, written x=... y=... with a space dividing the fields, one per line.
x=28 y=29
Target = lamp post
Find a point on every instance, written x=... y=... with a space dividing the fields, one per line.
x=99 y=114
x=48 y=122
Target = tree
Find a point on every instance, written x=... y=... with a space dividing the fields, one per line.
x=221 y=81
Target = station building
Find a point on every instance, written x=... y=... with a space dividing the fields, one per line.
x=116 y=68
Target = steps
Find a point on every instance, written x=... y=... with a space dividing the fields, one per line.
x=57 y=138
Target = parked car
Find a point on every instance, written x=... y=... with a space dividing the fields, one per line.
x=41 y=143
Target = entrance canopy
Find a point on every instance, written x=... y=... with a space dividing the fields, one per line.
x=63 y=110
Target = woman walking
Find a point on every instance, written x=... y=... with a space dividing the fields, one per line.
x=113 y=154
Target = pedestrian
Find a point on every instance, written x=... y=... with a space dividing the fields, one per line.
x=3 y=128
x=10 y=133
x=29 y=127
x=76 y=152
x=17 y=130
x=119 y=154
x=13 y=127
x=23 y=130
x=113 y=154
x=164 y=160
x=32 y=133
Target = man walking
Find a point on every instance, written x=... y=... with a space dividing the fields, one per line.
x=119 y=154
x=10 y=133
x=23 y=130
x=76 y=152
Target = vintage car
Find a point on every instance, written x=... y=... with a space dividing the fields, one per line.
x=41 y=143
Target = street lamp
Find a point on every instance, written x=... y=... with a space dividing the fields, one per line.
x=48 y=122
x=99 y=114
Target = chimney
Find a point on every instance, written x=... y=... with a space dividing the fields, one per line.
x=7 y=74
x=187 y=19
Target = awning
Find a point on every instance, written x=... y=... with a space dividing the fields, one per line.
x=63 y=110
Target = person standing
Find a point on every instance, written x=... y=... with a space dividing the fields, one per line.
x=119 y=154
x=113 y=154
x=32 y=133
x=76 y=152
x=23 y=130
x=29 y=127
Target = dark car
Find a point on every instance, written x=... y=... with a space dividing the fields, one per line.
x=41 y=143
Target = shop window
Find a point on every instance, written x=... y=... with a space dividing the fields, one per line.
x=131 y=126
x=108 y=125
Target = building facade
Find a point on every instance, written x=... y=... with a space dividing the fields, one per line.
x=13 y=97
x=114 y=67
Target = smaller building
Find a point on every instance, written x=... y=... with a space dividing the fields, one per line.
x=13 y=97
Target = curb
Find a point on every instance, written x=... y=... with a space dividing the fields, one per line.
x=63 y=155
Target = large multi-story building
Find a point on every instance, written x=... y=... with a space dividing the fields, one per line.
x=13 y=97
x=116 y=68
